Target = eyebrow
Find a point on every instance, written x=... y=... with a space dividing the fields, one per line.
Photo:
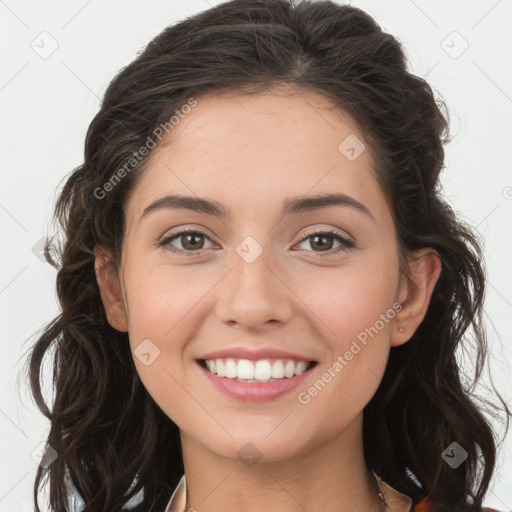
x=291 y=206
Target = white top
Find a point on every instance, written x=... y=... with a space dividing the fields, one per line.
x=397 y=502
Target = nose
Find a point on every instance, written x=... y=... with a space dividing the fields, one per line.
x=254 y=295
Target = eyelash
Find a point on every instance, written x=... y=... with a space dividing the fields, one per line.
x=346 y=243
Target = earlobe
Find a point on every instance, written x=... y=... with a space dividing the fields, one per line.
x=110 y=290
x=415 y=293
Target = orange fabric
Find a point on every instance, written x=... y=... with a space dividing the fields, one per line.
x=424 y=506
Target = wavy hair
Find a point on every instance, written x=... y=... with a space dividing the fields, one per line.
x=113 y=441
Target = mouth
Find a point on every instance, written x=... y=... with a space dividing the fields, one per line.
x=256 y=372
x=262 y=380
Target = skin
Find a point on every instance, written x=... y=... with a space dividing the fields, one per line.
x=250 y=154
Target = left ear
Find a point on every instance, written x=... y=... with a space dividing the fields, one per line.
x=414 y=293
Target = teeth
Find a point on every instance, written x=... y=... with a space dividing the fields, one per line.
x=278 y=370
x=230 y=369
x=256 y=371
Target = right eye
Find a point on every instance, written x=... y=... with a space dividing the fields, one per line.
x=190 y=239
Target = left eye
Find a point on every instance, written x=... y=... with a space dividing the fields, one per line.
x=314 y=236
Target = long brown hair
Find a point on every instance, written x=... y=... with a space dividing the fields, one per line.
x=112 y=439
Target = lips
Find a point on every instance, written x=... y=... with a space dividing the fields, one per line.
x=254 y=355
x=253 y=390
x=255 y=375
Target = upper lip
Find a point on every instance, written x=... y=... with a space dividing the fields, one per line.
x=254 y=355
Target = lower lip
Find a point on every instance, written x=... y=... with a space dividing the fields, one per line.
x=253 y=392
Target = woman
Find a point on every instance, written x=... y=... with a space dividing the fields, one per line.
x=262 y=288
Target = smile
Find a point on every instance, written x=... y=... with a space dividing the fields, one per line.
x=259 y=381
x=263 y=370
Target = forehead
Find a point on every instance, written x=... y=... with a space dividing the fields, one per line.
x=257 y=150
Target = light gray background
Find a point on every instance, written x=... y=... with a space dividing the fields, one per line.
x=47 y=102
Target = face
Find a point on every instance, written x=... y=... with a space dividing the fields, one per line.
x=258 y=277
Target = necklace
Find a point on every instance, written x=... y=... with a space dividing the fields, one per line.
x=378 y=492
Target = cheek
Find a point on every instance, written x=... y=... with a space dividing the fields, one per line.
x=161 y=308
x=351 y=298
x=166 y=307
x=354 y=306
x=162 y=300
x=357 y=349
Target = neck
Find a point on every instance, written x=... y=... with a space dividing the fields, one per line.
x=330 y=476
